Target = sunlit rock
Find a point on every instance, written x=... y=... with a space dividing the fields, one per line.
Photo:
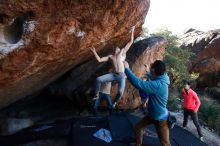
x=57 y=37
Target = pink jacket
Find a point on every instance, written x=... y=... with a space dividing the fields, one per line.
x=191 y=101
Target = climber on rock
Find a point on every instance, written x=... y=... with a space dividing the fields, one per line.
x=118 y=74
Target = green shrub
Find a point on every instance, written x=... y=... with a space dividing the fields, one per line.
x=177 y=59
x=209 y=112
x=175 y=101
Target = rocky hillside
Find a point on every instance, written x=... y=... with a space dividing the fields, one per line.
x=206 y=46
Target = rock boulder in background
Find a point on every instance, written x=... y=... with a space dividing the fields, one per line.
x=79 y=83
x=206 y=46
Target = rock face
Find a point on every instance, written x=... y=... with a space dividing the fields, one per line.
x=206 y=46
x=78 y=84
x=56 y=37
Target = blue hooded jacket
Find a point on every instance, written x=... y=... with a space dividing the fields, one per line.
x=158 y=90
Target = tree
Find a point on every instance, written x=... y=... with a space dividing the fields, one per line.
x=176 y=58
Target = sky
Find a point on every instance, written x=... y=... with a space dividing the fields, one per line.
x=180 y=15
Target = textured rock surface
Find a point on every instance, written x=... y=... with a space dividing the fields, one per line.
x=206 y=46
x=79 y=83
x=57 y=38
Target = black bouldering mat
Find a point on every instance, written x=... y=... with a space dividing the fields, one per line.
x=182 y=137
x=121 y=128
x=178 y=135
x=79 y=131
x=83 y=130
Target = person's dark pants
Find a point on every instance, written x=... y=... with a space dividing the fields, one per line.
x=108 y=99
x=161 y=127
x=119 y=77
x=195 y=119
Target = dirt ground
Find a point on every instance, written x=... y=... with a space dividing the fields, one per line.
x=212 y=139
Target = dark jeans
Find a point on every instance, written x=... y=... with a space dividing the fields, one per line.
x=119 y=77
x=195 y=119
x=161 y=127
x=108 y=99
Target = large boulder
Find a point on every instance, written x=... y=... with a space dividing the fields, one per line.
x=206 y=62
x=41 y=40
x=78 y=84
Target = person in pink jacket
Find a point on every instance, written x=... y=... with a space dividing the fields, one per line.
x=191 y=107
